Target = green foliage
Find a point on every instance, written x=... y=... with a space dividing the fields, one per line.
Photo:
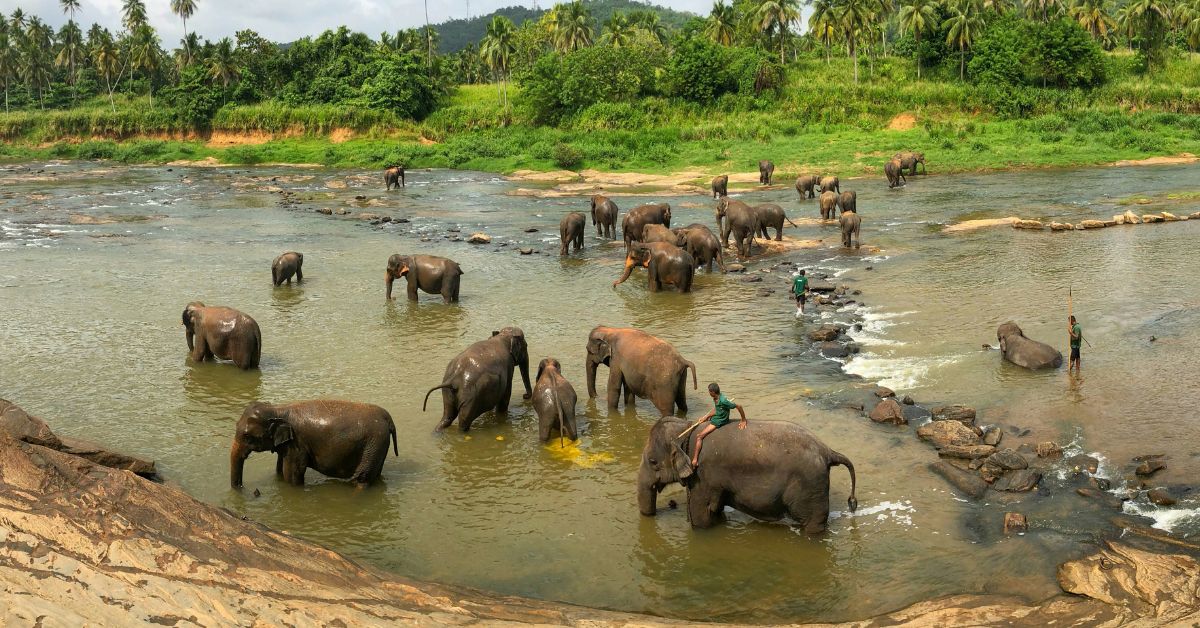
x=1064 y=55
x=697 y=71
x=195 y=99
x=561 y=85
x=402 y=86
x=567 y=156
x=999 y=56
x=96 y=149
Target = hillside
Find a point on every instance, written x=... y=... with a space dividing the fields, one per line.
x=456 y=34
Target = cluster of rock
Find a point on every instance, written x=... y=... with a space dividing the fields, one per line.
x=1127 y=218
x=18 y=424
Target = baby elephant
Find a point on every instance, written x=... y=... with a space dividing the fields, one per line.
x=554 y=401
x=340 y=439
x=570 y=231
x=286 y=266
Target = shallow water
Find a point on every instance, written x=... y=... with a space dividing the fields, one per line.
x=91 y=341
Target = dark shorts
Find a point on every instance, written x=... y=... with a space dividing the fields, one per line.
x=800 y=298
x=1074 y=353
x=718 y=422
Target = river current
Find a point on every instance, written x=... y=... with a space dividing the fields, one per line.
x=97 y=261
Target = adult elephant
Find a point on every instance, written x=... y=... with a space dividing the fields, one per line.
x=429 y=273
x=828 y=204
x=831 y=184
x=636 y=219
x=340 y=439
x=604 y=216
x=766 y=170
x=658 y=233
x=1024 y=351
x=702 y=244
x=851 y=225
x=720 y=186
x=222 y=333
x=848 y=201
x=665 y=264
x=806 y=185
x=739 y=219
x=909 y=160
x=771 y=215
x=554 y=401
x=570 y=231
x=894 y=173
x=394 y=177
x=287 y=266
x=768 y=470
x=639 y=365
x=480 y=378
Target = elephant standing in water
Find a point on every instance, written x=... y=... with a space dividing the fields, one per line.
x=636 y=219
x=771 y=215
x=768 y=470
x=570 y=231
x=827 y=204
x=659 y=233
x=766 y=170
x=285 y=267
x=848 y=201
x=702 y=244
x=604 y=216
x=638 y=365
x=909 y=160
x=223 y=333
x=720 y=186
x=806 y=185
x=554 y=401
x=831 y=184
x=665 y=264
x=480 y=378
x=430 y=273
x=394 y=177
x=894 y=172
x=851 y=225
x=1024 y=351
x=741 y=220
x=340 y=439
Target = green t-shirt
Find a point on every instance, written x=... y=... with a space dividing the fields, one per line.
x=721 y=413
x=1078 y=338
x=800 y=284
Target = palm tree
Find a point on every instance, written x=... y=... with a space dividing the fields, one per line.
x=185 y=56
x=184 y=9
x=1042 y=9
x=106 y=58
x=571 y=26
x=8 y=65
x=71 y=51
x=70 y=7
x=17 y=21
x=37 y=63
x=775 y=15
x=133 y=14
x=497 y=48
x=618 y=31
x=823 y=23
x=721 y=24
x=1149 y=19
x=145 y=55
x=915 y=17
x=1093 y=16
x=222 y=65
x=1190 y=16
x=999 y=7
x=853 y=17
x=649 y=22
x=965 y=24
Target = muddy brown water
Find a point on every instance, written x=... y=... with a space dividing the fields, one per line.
x=91 y=340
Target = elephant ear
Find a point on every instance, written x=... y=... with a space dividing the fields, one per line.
x=281 y=433
x=681 y=464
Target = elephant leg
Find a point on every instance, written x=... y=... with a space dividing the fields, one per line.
x=279 y=463
x=294 y=466
x=613 y=392
x=704 y=506
x=412 y=286
x=779 y=233
x=629 y=396
x=370 y=466
x=299 y=275
x=450 y=409
x=275 y=276
x=808 y=504
x=681 y=391
x=200 y=349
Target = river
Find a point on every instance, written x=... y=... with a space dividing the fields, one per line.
x=98 y=260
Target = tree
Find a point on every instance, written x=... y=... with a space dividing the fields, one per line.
x=185 y=55
x=775 y=15
x=1149 y=19
x=133 y=14
x=402 y=85
x=9 y=63
x=823 y=23
x=184 y=9
x=70 y=51
x=1191 y=23
x=1093 y=16
x=497 y=49
x=649 y=22
x=145 y=55
x=916 y=17
x=618 y=31
x=70 y=7
x=853 y=17
x=1042 y=9
x=964 y=24
x=720 y=26
x=222 y=65
x=570 y=26
x=106 y=58
x=36 y=52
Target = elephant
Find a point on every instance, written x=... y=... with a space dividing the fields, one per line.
x=480 y=378
x=827 y=203
x=430 y=273
x=554 y=401
x=806 y=184
x=340 y=439
x=570 y=231
x=848 y=201
x=851 y=225
x=909 y=160
x=394 y=177
x=720 y=186
x=766 y=170
x=222 y=333
x=658 y=233
x=639 y=365
x=767 y=470
x=604 y=216
x=895 y=173
x=740 y=219
x=831 y=184
x=702 y=244
x=1024 y=351
x=665 y=264
x=637 y=218
x=771 y=215
x=285 y=266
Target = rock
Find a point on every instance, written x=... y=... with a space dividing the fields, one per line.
x=335 y=185
x=888 y=411
x=1113 y=223
x=833 y=349
x=400 y=220
x=17 y=423
x=1014 y=523
x=341 y=211
x=111 y=459
x=915 y=414
x=1193 y=216
x=821 y=285
x=992 y=436
x=454 y=230
x=324 y=210
x=1019 y=481
x=970 y=484
x=944 y=433
x=1145 y=457
x=1100 y=483
x=751 y=279
x=1080 y=463
x=479 y=238
x=526 y=251
x=1169 y=217
x=1009 y=460
x=883 y=392
x=360 y=197
x=1061 y=226
x=825 y=333
x=1152 y=218
x=735 y=268
x=1048 y=449
x=531 y=230
x=1150 y=467
x=385 y=219
x=908 y=401
x=1092 y=224
x=1143 y=583
x=1131 y=218
x=960 y=413
x=1160 y=497
x=1027 y=224
x=840 y=290
x=368 y=216
x=967 y=452
x=1108 y=500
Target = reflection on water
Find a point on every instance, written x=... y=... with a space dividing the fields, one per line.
x=96 y=326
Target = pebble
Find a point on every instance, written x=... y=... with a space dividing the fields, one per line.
x=526 y=251
x=1014 y=522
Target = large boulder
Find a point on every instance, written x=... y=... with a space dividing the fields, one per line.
x=1131 y=218
x=1024 y=351
x=970 y=484
x=20 y=425
x=943 y=433
x=1018 y=481
x=825 y=333
x=1035 y=225
x=967 y=452
x=1092 y=224
x=888 y=411
x=1008 y=460
x=962 y=414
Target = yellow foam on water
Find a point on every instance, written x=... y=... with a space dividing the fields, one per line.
x=571 y=452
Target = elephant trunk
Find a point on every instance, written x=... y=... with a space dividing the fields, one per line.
x=590 y=369
x=237 y=460
x=389 y=278
x=523 y=364
x=190 y=335
x=647 y=490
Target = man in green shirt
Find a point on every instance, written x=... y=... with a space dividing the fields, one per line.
x=1076 y=333
x=800 y=289
x=716 y=417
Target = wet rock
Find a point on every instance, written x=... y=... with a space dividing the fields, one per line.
x=401 y=220
x=1061 y=226
x=1150 y=467
x=360 y=197
x=825 y=333
x=385 y=219
x=1169 y=217
x=1015 y=523
x=20 y=425
x=751 y=279
x=1018 y=481
x=850 y=405
x=735 y=268
x=1048 y=449
x=992 y=436
x=368 y=216
x=1100 y=483
x=324 y=210
x=1009 y=460
x=870 y=268
x=967 y=452
x=454 y=230
x=335 y=185
x=1082 y=463
x=968 y=483
x=531 y=230
x=341 y=211
x=821 y=285
x=888 y=411
x=944 y=433
x=526 y=251
x=1145 y=457
x=883 y=392
x=1160 y=497
x=1130 y=218
x=1092 y=224
x=1027 y=224
x=479 y=238
x=765 y=292
x=107 y=458
x=1108 y=500
x=915 y=414
x=1148 y=218
x=833 y=349
x=908 y=401
x=960 y=413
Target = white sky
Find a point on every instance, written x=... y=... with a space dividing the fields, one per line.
x=288 y=20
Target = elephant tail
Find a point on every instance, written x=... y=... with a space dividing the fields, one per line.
x=562 y=430
x=693 y=367
x=392 y=430
x=790 y=221
x=835 y=459
x=439 y=387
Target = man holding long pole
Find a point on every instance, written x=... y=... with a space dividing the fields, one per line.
x=1076 y=333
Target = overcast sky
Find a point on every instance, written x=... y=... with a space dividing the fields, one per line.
x=288 y=20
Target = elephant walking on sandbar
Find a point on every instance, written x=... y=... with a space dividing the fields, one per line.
x=429 y=273
x=771 y=215
x=766 y=170
x=480 y=378
x=570 y=231
x=287 y=266
x=222 y=333
x=604 y=216
x=394 y=177
x=639 y=365
x=340 y=439
x=554 y=401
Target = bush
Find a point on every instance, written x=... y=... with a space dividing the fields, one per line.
x=96 y=149
x=697 y=71
x=998 y=56
x=402 y=85
x=561 y=85
x=195 y=99
x=567 y=157
x=1062 y=54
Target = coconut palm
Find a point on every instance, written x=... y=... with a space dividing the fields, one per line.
x=497 y=48
x=774 y=16
x=965 y=24
x=17 y=21
x=999 y=7
x=184 y=9
x=1042 y=10
x=70 y=7
x=1093 y=16
x=618 y=30
x=918 y=16
x=853 y=17
x=107 y=59
x=823 y=23
x=185 y=55
x=145 y=55
x=36 y=62
x=133 y=14
x=1191 y=23
x=70 y=51
x=571 y=26
x=9 y=63
x=649 y=22
x=721 y=24
x=1150 y=19
x=222 y=65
